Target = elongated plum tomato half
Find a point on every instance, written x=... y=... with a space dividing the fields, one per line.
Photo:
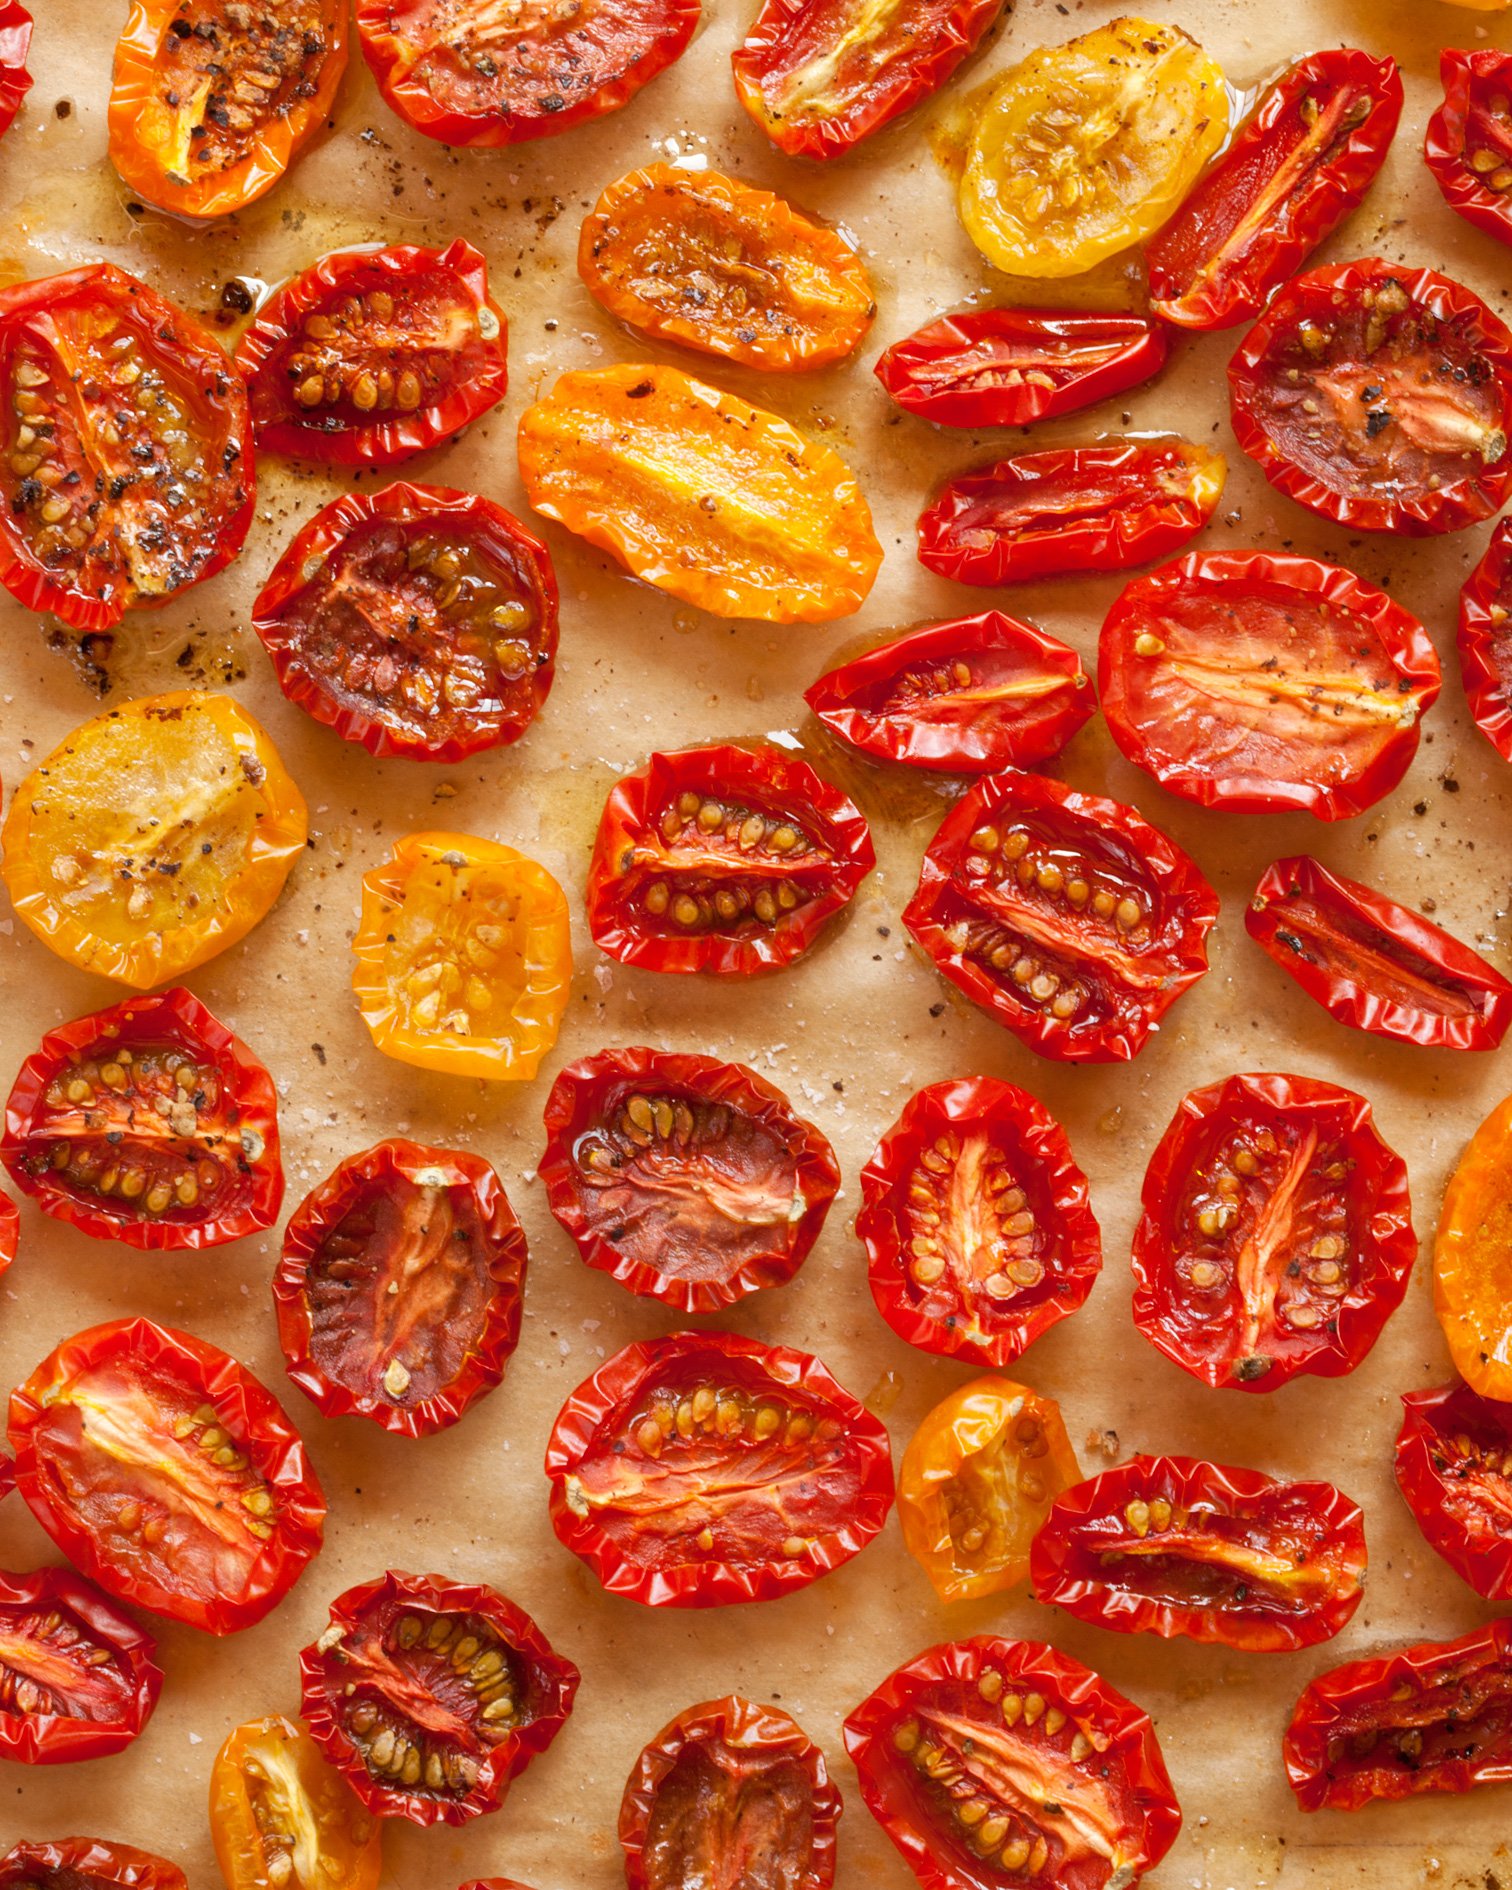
x=1454 y=1469
x=976 y=1222
x=15 y=43
x=167 y=1474
x=400 y=1288
x=1262 y=683
x=203 y=122
x=706 y=261
x=1276 y=1236
x=1485 y=641
x=990 y=1763
x=1298 y=165
x=418 y=621
x=1379 y=397
x=686 y=1179
x=430 y=1695
x=971 y=696
x=1472 y=1259
x=86 y=1864
x=279 y=1814
x=1435 y=1718
x=373 y=355
x=1469 y=143
x=78 y=1678
x=1065 y=916
x=149 y=1123
x=127 y=472
x=704 y=1468
x=727 y=860
x=1375 y=965
x=720 y=504
x=730 y=1791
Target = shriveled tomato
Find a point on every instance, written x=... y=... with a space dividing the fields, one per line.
x=1469 y=141
x=1436 y=1718
x=15 y=43
x=128 y=474
x=686 y=1179
x=977 y=1481
x=990 y=1762
x=1485 y=641
x=1380 y=398
x=975 y=1218
x=149 y=1123
x=86 y=1864
x=280 y=1816
x=373 y=355
x=729 y=860
x=1067 y=917
x=1092 y=508
x=730 y=1792
x=1472 y=1259
x=464 y=957
x=694 y=490
x=705 y=1468
x=157 y=835
x=1454 y=1469
x=167 y=1473
x=1277 y=1233
x=77 y=1677
x=211 y=102
x=1260 y=682
x=431 y=1695
x=399 y=1291
x=1299 y=164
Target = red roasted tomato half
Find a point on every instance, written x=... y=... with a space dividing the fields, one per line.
x=15 y=43
x=1067 y=917
x=1379 y=397
x=149 y=1123
x=1454 y=1468
x=704 y=1468
x=431 y=1695
x=77 y=1677
x=1277 y=1233
x=1263 y=683
x=993 y=1763
x=87 y=1864
x=1175 y=1546
x=1485 y=641
x=1469 y=143
x=686 y=1179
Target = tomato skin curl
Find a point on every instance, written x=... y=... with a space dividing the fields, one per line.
x=15 y=43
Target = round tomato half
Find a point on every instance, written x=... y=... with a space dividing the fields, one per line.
x=704 y=1468
x=1454 y=1469
x=77 y=1677
x=1485 y=641
x=1472 y=1259
x=15 y=43
x=1469 y=143
x=280 y=1816
x=86 y=1864
x=1277 y=1233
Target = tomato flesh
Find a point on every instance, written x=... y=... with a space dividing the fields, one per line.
x=279 y=1815
x=1471 y=1274
x=86 y=1864
x=1469 y=141
x=77 y=1677
x=1454 y=1468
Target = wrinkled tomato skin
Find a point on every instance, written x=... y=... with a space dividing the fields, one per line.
x=1229 y=677
x=15 y=43
x=1485 y=641
x=1125 y=978
x=1375 y=965
x=721 y=1191
x=86 y=1864
x=730 y=1791
x=1296 y=168
x=950 y=1705
x=91 y=1680
x=786 y=1404
x=1466 y=125
x=10 y=1230
x=1201 y=1303
x=1453 y=1458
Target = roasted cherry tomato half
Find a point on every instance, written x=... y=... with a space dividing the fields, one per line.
x=373 y=355
x=1380 y=398
x=1067 y=917
x=431 y=1695
x=86 y=1864
x=1075 y=509
x=1485 y=641
x=1469 y=142
x=1375 y=965
x=142 y=887
x=167 y=1473
x=990 y=1763
x=468 y=72
x=1437 y=1718
x=1263 y=683
x=1277 y=1233
x=280 y=1815
x=1299 y=164
x=686 y=1179
x=77 y=1677
x=975 y=1218
x=1454 y=1468
x=977 y=1481
x=149 y=1123
x=15 y=43
x=418 y=621
x=732 y=1793
x=204 y=121
x=729 y=860
x=1472 y=1259
x=127 y=474
x=704 y=1468
x=464 y=957
x=399 y=1291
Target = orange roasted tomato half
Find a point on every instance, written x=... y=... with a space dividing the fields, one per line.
x=1472 y=1259
x=281 y=1816
x=157 y=835
x=464 y=957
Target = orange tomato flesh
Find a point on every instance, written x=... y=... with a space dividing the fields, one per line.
x=1472 y=1259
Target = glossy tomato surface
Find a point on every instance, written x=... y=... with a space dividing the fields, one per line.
x=704 y=1468
x=10 y=1230
x=281 y=1816
x=1472 y=1259
x=1469 y=143
x=86 y=1864
x=1454 y=1469
x=1485 y=641
x=15 y=43
x=77 y=1676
